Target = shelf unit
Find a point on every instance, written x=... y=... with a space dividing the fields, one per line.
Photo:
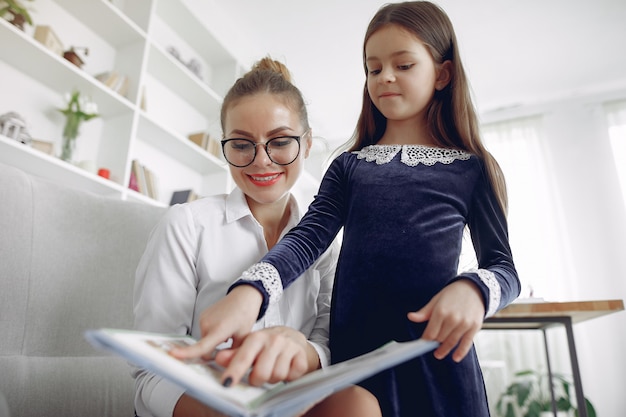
x=134 y=38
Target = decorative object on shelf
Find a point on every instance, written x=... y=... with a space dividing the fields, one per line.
x=13 y=125
x=73 y=57
x=193 y=65
x=529 y=396
x=78 y=110
x=43 y=146
x=174 y=52
x=49 y=39
x=104 y=173
x=115 y=81
x=87 y=165
x=17 y=12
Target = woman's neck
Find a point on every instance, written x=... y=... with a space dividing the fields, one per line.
x=272 y=217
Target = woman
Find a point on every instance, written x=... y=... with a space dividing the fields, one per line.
x=199 y=249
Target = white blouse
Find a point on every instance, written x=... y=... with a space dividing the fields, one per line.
x=192 y=257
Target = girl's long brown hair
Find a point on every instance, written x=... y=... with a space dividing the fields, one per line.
x=451 y=115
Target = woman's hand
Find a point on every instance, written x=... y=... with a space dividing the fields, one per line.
x=231 y=317
x=275 y=354
x=454 y=316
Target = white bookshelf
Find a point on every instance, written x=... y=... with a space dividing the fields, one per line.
x=131 y=38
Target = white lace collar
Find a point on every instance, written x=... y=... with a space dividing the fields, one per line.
x=412 y=155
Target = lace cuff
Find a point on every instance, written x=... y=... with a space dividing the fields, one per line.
x=268 y=276
x=493 y=286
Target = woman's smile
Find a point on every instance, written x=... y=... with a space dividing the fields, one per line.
x=265 y=179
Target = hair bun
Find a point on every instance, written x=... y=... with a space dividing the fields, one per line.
x=269 y=64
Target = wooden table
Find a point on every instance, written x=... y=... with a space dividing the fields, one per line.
x=543 y=315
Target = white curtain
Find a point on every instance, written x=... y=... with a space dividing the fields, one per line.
x=616 y=118
x=567 y=240
x=537 y=234
x=539 y=243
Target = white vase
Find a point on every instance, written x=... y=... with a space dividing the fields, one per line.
x=551 y=414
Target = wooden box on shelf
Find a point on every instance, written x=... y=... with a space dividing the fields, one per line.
x=49 y=39
x=43 y=146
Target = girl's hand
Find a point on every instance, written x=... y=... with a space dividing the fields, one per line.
x=231 y=317
x=275 y=354
x=454 y=316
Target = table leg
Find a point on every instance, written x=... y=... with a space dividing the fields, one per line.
x=578 y=383
x=545 y=344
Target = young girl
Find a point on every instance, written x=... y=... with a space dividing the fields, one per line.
x=415 y=176
x=199 y=249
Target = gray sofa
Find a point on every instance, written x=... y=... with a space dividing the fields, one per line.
x=67 y=263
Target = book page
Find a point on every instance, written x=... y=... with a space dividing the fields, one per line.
x=201 y=378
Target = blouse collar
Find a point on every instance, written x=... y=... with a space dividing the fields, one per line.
x=236 y=207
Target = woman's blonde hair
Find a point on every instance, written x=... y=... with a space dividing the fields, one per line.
x=266 y=76
x=451 y=116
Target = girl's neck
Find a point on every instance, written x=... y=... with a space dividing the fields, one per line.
x=272 y=217
x=407 y=132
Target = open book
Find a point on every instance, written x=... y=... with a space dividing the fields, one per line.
x=201 y=379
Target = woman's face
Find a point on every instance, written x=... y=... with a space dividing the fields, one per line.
x=259 y=118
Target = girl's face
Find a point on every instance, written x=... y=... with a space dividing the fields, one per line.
x=259 y=118
x=401 y=74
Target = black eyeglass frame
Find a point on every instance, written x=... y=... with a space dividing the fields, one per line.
x=269 y=155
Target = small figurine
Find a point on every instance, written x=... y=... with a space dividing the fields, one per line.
x=195 y=67
x=13 y=125
x=73 y=57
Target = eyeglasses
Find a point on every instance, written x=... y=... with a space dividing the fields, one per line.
x=282 y=150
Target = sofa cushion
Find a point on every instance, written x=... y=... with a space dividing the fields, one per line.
x=16 y=229
x=68 y=264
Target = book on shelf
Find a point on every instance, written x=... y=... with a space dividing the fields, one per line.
x=132 y=183
x=140 y=176
x=115 y=81
x=201 y=379
x=143 y=180
x=206 y=142
x=214 y=147
x=201 y=139
x=151 y=183
x=183 y=196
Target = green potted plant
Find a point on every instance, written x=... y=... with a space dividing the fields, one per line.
x=17 y=12
x=529 y=396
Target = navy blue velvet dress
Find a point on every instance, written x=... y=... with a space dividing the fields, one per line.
x=403 y=210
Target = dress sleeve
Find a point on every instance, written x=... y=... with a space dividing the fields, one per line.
x=164 y=298
x=496 y=276
x=305 y=243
